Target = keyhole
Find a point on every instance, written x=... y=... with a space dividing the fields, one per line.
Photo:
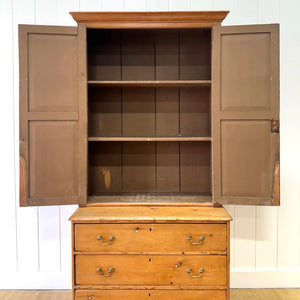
x=149 y=295
x=150 y=229
x=150 y=259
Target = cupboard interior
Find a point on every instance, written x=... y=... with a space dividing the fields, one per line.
x=149 y=167
x=155 y=167
x=149 y=112
x=149 y=54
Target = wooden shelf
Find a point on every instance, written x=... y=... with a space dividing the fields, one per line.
x=149 y=139
x=150 y=83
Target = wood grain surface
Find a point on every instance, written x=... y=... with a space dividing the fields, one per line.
x=150 y=237
x=158 y=270
x=235 y=294
x=166 y=19
x=151 y=214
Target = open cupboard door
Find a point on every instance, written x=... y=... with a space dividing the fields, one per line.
x=50 y=124
x=245 y=107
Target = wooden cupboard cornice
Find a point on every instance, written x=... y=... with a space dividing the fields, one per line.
x=168 y=19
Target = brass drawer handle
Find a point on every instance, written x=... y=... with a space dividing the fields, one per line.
x=110 y=240
x=110 y=271
x=190 y=271
x=201 y=240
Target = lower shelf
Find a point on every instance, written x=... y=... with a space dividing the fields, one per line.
x=151 y=199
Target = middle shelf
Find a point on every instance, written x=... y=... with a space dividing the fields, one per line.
x=149 y=139
x=150 y=83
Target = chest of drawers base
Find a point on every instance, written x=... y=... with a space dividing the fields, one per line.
x=150 y=252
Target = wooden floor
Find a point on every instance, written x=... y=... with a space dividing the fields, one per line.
x=236 y=294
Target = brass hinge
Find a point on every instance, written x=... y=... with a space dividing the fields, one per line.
x=275 y=126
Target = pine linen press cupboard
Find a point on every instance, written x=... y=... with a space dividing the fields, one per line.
x=150 y=121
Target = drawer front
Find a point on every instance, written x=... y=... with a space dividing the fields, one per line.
x=147 y=238
x=171 y=270
x=150 y=294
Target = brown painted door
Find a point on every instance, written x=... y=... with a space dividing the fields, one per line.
x=49 y=115
x=245 y=100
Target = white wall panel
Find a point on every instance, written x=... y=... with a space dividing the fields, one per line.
x=26 y=218
x=179 y=5
x=90 y=5
x=112 y=5
x=49 y=239
x=160 y=5
x=64 y=7
x=244 y=238
x=265 y=241
x=133 y=5
x=226 y=5
x=266 y=238
x=268 y=11
x=46 y=12
x=231 y=210
x=8 y=250
x=201 y=4
x=288 y=214
x=65 y=234
x=246 y=11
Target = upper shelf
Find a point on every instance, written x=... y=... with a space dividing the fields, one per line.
x=150 y=83
x=166 y=19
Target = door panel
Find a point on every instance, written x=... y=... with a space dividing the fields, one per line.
x=52 y=72
x=53 y=156
x=245 y=100
x=246 y=162
x=245 y=72
x=49 y=114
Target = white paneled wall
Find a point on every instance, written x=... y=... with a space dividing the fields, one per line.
x=35 y=249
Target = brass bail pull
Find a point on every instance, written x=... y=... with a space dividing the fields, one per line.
x=190 y=272
x=190 y=239
x=110 y=271
x=110 y=240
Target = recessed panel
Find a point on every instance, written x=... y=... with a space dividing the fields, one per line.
x=245 y=72
x=195 y=54
x=167 y=166
x=138 y=55
x=52 y=72
x=104 y=54
x=167 y=111
x=246 y=156
x=195 y=111
x=105 y=112
x=53 y=159
x=138 y=107
x=167 y=54
x=195 y=162
x=139 y=167
x=105 y=168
